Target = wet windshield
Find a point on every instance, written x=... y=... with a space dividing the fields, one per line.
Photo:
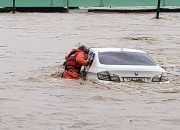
x=125 y=58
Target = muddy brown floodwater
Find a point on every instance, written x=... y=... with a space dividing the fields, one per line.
x=32 y=49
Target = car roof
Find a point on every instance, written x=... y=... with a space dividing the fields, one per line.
x=116 y=49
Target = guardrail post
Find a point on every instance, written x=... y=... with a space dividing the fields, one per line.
x=14 y=5
x=67 y=6
x=158 y=9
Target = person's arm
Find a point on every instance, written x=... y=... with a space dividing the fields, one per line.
x=81 y=58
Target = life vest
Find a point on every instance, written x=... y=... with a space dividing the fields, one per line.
x=71 y=61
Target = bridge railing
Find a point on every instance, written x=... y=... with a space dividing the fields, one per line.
x=86 y=3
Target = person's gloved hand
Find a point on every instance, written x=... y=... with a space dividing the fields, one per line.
x=64 y=63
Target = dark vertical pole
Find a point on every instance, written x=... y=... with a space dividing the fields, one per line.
x=68 y=6
x=14 y=5
x=158 y=9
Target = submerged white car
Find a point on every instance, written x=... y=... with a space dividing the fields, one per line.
x=123 y=65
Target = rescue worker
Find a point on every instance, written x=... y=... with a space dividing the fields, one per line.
x=74 y=61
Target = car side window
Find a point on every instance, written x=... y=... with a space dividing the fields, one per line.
x=90 y=57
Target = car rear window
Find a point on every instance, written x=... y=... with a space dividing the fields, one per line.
x=125 y=58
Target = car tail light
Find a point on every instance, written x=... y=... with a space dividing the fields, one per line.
x=156 y=78
x=164 y=77
x=160 y=78
x=105 y=75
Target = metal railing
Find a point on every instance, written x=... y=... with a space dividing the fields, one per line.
x=87 y=3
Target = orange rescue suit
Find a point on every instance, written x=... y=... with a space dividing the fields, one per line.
x=74 y=61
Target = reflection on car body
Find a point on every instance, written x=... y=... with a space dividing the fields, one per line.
x=124 y=65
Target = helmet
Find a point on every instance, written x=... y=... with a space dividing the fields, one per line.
x=84 y=49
